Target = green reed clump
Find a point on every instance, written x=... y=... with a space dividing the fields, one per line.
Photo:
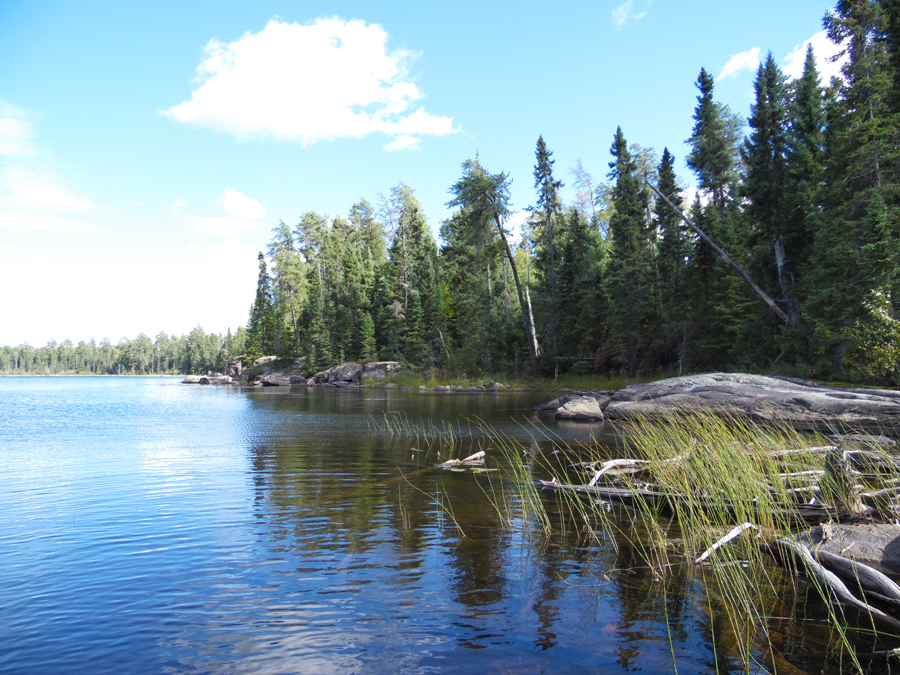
x=712 y=473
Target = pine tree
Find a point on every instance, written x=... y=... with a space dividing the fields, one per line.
x=673 y=246
x=765 y=158
x=485 y=198
x=580 y=277
x=545 y=215
x=713 y=142
x=630 y=262
x=261 y=326
x=859 y=201
x=368 y=351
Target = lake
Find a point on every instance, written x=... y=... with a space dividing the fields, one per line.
x=152 y=527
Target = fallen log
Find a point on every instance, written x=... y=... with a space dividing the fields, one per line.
x=670 y=500
x=828 y=580
x=630 y=465
x=868 y=578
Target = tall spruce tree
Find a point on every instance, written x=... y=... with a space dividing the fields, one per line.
x=765 y=155
x=713 y=142
x=629 y=270
x=674 y=239
x=544 y=223
x=485 y=198
x=261 y=325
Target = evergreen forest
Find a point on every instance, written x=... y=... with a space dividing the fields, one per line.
x=802 y=196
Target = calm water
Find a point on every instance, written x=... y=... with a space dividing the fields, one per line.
x=152 y=527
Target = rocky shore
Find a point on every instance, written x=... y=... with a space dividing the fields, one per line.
x=265 y=373
x=804 y=405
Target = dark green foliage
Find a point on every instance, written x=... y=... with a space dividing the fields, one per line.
x=629 y=272
x=544 y=232
x=714 y=142
x=674 y=240
x=261 y=328
x=196 y=352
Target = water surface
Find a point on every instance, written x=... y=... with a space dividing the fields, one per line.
x=152 y=527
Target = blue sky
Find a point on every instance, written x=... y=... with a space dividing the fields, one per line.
x=148 y=149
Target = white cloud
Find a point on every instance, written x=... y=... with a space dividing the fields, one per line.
x=748 y=60
x=34 y=196
x=515 y=223
x=330 y=79
x=240 y=205
x=625 y=12
x=403 y=143
x=689 y=195
x=824 y=50
x=244 y=214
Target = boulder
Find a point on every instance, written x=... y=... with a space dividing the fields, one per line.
x=390 y=385
x=602 y=396
x=346 y=372
x=232 y=369
x=863 y=542
x=581 y=408
x=423 y=388
x=209 y=378
x=275 y=381
x=802 y=404
x=379 y=370
x=442 y=387
x=497 y=386
x=298 y=381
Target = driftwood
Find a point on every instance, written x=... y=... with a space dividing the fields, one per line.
x=623 y=465
x=669 y=501
x=477 y=458
x=734 y=534
x=867 y=578
x=818 y=450
x=828 y=579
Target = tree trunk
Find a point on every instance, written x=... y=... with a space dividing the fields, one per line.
x=785 y=282
x=724 y=256
x=533 y=347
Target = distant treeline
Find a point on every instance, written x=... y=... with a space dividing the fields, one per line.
x=804 y=196
x=195 y=352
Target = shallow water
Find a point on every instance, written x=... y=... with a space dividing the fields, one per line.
x=152 y=527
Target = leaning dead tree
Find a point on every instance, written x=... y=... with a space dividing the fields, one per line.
x=724 y=256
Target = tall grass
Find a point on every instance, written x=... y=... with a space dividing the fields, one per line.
x=712 y=473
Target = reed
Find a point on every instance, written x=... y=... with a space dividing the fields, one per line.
x=711 y=473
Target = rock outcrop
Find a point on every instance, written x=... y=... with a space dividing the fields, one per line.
x=210 y=378
x=804 y=405
x=379 y=370
x=863 y=542
x=764 y=399
x=580 y=408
